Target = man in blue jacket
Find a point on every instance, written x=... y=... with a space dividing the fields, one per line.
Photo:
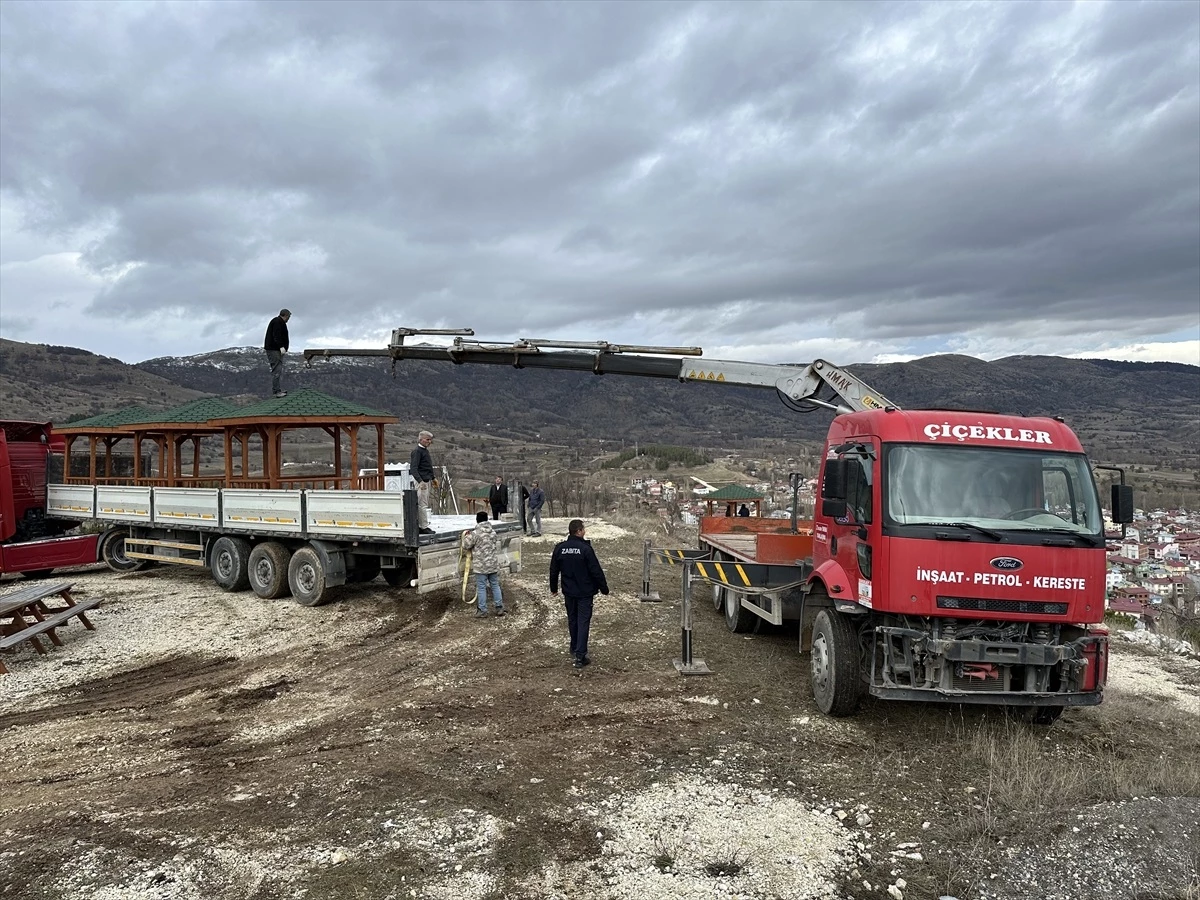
x=575 y=561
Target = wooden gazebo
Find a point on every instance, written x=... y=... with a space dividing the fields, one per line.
x=269 y=420
x=734 y=495
x=171 y=430
x=477 y=498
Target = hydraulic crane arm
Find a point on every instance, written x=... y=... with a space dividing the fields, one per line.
x=799 y=387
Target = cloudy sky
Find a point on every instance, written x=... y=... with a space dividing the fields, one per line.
x=860 y=181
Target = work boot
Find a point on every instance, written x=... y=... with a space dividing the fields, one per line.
x=500 y=611
x=481 y=613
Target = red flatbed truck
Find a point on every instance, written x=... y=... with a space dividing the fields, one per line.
x=31 y=542
x=953 y=556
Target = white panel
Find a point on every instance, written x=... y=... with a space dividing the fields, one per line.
x=71 y=501
x=261 y=510
x=118 y=503
x=510 y=560
x=439 y=565
x=370 y=515
x=187 y=506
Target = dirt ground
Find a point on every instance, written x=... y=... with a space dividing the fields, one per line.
x=200 y=744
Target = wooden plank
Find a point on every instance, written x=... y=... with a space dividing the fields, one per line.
x=172 y=560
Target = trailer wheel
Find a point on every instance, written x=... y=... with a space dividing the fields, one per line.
x=230 y=563
x=306 y=578
x=738 y=619
x=402 y=575
x=112 y=551
x=718 y=590
x=835 y=677
x=268 y=570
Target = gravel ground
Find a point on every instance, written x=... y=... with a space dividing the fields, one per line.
x=203 y=745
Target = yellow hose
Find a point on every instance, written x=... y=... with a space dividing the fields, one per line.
x=464 y=560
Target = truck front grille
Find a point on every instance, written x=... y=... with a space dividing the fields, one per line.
x=978 y=604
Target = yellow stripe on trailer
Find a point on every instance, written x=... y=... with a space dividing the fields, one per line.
x=742 y=572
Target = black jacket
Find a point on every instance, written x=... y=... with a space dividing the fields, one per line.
x=498 y=497
x=277 y=335
x=575 y=560
x=420 y=464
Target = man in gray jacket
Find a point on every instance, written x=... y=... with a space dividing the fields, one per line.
x=420 y=467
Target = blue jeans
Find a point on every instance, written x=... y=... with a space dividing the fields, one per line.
x=481 y=586
x=579 y=623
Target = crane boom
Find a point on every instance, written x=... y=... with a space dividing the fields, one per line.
x=798 y=386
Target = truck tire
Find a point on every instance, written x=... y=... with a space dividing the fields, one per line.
x=306 y=578
x=112 y=552
x=268 y=569
x=229 y=563
x=718 y=590
x=834 y=666
x=401 y=576
x=738 y=619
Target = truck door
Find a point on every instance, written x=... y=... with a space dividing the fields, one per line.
x=852 y=534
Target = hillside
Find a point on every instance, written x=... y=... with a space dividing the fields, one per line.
x=1135 y=412
x=39 y=382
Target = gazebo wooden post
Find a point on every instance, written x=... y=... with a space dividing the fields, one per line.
x=92 y=458
x=137 y=457
x=195 y=456
x=337 y=455
x=108 y=445
x=353 y=454
x=67 y=459
x=244 y=435
x=379 y=482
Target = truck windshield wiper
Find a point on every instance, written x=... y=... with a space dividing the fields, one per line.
x=994 y=535
x=1091 y=539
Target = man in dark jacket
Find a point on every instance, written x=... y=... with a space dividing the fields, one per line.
x=498 y=498
x=575 y=561
x=276 y=344
x=537 y=499
x=420 y=467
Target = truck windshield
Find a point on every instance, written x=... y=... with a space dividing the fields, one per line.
x=999 y=489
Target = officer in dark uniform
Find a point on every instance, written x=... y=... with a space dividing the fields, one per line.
x=575 y=560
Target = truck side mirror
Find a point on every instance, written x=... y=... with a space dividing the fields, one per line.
x=833 y=486
x=1122 y=504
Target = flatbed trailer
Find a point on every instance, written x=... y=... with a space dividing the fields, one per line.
x=276 y=542
x=780 y=564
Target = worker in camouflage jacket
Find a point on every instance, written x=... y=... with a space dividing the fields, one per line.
x=484 y=545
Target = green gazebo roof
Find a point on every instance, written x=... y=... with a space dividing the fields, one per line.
x=734 y=492
x=304 y=404
x=197 y=412
x=118 y=419
x=477 y=493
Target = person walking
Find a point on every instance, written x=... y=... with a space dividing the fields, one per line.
x=575 y=562
x=420 y=467
x=498 y=498
x=276 y=344
x=537 y=499
x=484 y=545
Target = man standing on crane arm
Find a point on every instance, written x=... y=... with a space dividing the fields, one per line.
x=575 y=560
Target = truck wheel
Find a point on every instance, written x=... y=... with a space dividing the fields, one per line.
x=1044 y=715
x=306 y=578
x=112 y=551
x=738 y=619
x=835 y=678
x=230 y=563
x=268 y=570
x=402 y=575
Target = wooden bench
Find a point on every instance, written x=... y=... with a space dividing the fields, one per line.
x=30 y=616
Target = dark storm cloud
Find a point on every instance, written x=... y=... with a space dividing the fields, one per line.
x=891 y=170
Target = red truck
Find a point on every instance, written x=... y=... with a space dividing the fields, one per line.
x=31 y=542
x=953 y=556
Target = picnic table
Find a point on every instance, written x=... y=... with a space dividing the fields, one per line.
x=26 y=614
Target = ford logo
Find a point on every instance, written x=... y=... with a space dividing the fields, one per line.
x=1007 y=563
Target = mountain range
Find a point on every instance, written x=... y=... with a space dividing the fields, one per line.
x=1131 y=412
